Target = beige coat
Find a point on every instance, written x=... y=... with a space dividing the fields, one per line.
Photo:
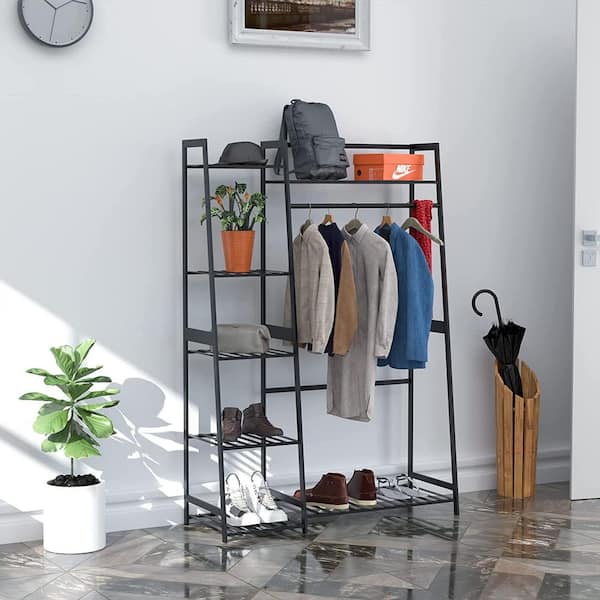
x=351 y=378
x=315 y=290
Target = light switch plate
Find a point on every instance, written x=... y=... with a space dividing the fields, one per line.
x=588 y=258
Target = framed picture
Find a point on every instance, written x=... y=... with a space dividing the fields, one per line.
x=337 y=24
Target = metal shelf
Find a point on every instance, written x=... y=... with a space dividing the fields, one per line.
x=299 y=515
x=253 y=273
x=384 y=503
x=246 y=441
x=272 y=353
x=353 y=181
x=230 y=167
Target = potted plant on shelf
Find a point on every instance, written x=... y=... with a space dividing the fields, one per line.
x=74 y=504
x=238 y=212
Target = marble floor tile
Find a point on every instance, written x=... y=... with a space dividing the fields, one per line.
x=17 y=588
x=261 y=564
x=504 y=586
x=115 y=587
x=545 y=547
x=64 y=587
x=564 y=587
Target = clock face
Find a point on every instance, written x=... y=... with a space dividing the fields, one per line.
x=56 y=22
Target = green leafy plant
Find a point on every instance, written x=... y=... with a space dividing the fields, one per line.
x=72 y=423
x=236 y=208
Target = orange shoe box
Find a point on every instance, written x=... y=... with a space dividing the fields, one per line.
x=388 y=167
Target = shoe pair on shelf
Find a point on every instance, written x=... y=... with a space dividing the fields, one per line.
x=254 y=422
x=335 y=494
x=250 y=504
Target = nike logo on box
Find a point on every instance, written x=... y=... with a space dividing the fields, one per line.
x=402 y=171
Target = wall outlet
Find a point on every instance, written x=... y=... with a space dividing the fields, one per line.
x=588 y=258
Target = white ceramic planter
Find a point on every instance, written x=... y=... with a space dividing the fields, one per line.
x=74 y=519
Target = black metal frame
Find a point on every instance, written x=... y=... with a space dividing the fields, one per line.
x=299 y=513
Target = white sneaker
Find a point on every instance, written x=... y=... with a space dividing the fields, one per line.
x=262 y=502
x=239 y=514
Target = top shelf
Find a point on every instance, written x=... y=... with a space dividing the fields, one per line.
x=231 y=167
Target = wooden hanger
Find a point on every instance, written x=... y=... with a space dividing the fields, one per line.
x=328 y=219
x=308 y=221
x=412 y=223
x=386 y=220
x=354 y=225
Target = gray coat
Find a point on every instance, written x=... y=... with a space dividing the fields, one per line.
x=351 y=378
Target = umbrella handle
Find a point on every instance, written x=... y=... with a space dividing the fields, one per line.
x=493 y=295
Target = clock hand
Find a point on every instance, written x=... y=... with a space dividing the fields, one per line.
x=50 y=5
x=52 y=28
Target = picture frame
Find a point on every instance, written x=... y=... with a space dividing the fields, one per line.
x=321 y=24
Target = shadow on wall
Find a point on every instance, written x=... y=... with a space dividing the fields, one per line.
x=145 y=445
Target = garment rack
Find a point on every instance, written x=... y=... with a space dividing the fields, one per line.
x=300 y=516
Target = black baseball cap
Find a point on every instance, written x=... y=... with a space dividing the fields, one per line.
x=242 y=153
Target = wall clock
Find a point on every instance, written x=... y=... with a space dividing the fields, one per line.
x=57 y=23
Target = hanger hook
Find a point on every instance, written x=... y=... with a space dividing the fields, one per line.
x=356 y=212
x=309 y=210
x=496 y=302
x=387 y=209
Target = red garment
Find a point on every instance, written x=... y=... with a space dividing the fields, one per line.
x=422 y=211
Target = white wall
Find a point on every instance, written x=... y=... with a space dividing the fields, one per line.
x=90 y=227
x=585 y=482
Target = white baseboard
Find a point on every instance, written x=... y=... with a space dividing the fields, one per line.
x=127 y=511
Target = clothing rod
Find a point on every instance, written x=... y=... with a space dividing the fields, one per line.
x=323 y=386
x=356 y=205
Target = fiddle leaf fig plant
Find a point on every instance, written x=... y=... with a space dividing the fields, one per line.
x=72 y=423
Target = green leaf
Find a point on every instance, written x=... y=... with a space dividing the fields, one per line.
x=82 y=350
x=80 y=444
x=98 y=424
x=75 y=390
x=52 y=417
x=100 y=394
x=85 y=371
x=48 y=446
x=36 y=396
x=62 y=436
x=65 y=359
x=100 y=406
x=58 y=380
x=98 y=379
x=41 y=372
x=80 y=448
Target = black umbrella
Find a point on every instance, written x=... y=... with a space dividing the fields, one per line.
x=504 y=341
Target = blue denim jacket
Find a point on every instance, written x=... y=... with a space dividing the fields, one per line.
x=415 y=302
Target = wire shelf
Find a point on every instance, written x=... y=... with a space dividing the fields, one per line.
x=253 y=273
x=246 y=441
x=271 y=353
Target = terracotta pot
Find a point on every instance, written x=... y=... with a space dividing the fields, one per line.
x=238 y=247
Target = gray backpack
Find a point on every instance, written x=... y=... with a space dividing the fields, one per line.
x=317 y=147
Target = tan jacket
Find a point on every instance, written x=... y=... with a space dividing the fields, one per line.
x=346 y=319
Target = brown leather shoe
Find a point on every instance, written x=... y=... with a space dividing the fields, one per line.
x=361 y=488
x=231 y=424
x=257 y=423
x=331 y=493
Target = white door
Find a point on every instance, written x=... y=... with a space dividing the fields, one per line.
x=585 y=454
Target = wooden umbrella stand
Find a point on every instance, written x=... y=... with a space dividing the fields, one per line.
x=517 y=426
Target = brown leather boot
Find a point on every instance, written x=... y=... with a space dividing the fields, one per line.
x=231 y=424
x=331 y=493
x=257 y=423
x=361 y=488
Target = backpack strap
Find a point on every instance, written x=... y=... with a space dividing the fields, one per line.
x=282 y=142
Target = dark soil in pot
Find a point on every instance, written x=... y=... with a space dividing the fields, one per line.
x=74 y=480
